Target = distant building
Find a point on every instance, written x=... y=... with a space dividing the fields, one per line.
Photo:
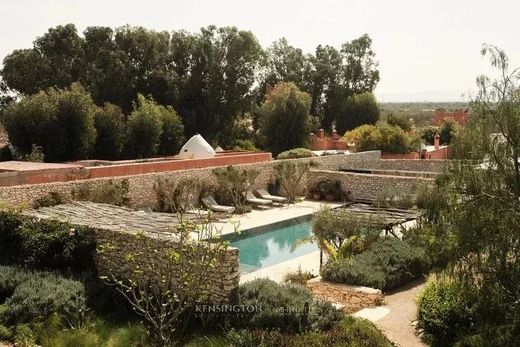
x=461 y=116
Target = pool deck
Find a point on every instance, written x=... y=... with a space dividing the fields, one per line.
x=257 y=218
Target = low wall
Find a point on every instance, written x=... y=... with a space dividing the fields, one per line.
x=219 y=284
x=141 y=186
x=407 y=156
x=425 y=165
x=368 y=186
x=353 y=298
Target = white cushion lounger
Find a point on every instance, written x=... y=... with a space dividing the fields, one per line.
x=252 y=199
x=211 y=204
x=264 y=194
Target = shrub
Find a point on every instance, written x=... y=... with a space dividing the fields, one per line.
x=245 y=145
x=45 y=244
x=172 y=134
x=382 y=136
x=234 y=182
x=144 y=129
x=24 y=336
x=296 y=153
x=50 y=199
x=110 y=127
x=298 y=277
x=446 y=309
x=5 y=333
x=448 y=131
x=284 y=307
x=399 y=120
x=178 y=196
x=289 y=175
x=10 y=278
x=42 y=294
x=350 y=331
x=110 y=192
x=387 y=264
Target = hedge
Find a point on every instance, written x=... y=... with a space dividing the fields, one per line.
x=42 y=244
x=387 y=264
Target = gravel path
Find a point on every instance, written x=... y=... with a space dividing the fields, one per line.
x=396 y=315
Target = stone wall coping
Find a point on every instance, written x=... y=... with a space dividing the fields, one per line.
x=367 y=290
x=372 y=175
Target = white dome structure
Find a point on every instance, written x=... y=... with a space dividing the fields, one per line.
x=196 y=148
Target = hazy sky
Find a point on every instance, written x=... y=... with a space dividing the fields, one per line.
x=427 y=50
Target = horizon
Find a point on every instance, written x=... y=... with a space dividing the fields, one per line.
x=421 y=59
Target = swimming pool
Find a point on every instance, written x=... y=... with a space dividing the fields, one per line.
x=274 y=245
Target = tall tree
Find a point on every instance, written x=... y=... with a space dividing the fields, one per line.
x=284 y=120
x=357 y=110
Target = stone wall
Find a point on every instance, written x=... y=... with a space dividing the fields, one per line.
x=149 y=254
x=428 y=165
x=141 y=186
x=368 y=186
x=352 y=298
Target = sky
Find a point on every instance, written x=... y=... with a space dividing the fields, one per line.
x=427 y=50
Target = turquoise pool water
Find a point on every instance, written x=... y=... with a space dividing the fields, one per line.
x=274 y=246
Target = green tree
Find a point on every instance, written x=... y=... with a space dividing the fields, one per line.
x=382 y=136
x=284 y=118
x=172 y=134
x=448 y=131
x=144 y=129
x=399 y=120
x=110 y=128
x=60 y=121
x=358 y=110
x=481 y=212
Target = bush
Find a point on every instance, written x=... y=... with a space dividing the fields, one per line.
x=48 y=200
x=382 y=136
x=289 y=175
x=350 y=331
x=172 y=134
x=283 y=307
x=110 y=192
x=110 y=127
x=42 y=294
x=387 y=264
x=144 y=129
x=45 y=244
x=5 y=333
x=446 y=309
x=296 y=153
x=24 y=336
x=298 y=277
x=179 y=196
x=400 y=121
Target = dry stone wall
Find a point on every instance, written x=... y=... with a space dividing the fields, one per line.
x=150 y=261
x=368 y=186
x=352 y=298
x=141 y=186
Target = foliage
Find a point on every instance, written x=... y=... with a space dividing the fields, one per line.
x=144 y=129
x=36 y=155
x=448 y=131
x=400 y=121
x=44 y=244
x=350 y=331
x=382 y=136
x=481 y=204
x=331 y=188
x=109 y=122
x=288 y=307
x=289 y=174
x=446 y=309
x=43 y=294
x=428 y=134
x=298 y=277
x=358 y=109
x=387 y=264
x=165 y=299
x=245 y=145
x=172 y=134
x=178 y=196
x=60 y=121
x=285 y=111
x=50 y=199
x=340 y=233
x=109 y=192
x=235 y=182
x=296 y=153
x=389 y=197
x=24 y=336
x=5 y=333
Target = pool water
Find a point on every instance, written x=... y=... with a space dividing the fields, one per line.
x=272 y=247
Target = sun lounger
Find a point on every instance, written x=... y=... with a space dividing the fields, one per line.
x=264 y=194
x=252 y=199
x=212 y=205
